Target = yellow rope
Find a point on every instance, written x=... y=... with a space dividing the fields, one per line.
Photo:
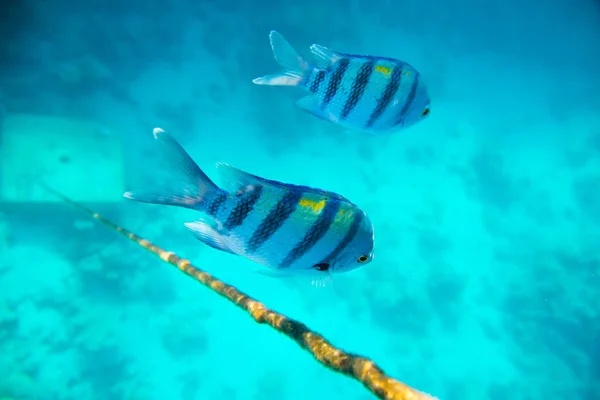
x=359 y=368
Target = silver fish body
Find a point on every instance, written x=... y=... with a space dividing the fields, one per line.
x=367 y=93
x=282 y=226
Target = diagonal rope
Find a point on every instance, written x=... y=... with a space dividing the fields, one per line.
x=352 y=365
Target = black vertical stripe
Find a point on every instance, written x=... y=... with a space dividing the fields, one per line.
x=409 y=100
x=244 y=206
x=213 y=207
x=314 y=87
x=336 y=79
x=358 y=87
x=274 y=220
x=388 y=94
x=314 y=234
x=357 y=219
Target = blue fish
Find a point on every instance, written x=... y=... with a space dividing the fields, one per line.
x=286 y=227
x=365 y=93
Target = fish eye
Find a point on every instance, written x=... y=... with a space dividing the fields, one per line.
x=425 y=112
x=362 y=258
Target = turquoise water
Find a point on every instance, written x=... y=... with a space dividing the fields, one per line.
x=485 y=283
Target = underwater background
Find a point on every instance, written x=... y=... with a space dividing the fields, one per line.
x=485 y=282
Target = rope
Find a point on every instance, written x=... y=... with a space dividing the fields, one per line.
x=352 y=365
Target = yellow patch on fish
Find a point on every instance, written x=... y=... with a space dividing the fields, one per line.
x=316 y=206
x=344 y=214
x=384 y=70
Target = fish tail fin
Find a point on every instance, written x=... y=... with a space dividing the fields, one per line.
x=189 y=187
x=294 y=67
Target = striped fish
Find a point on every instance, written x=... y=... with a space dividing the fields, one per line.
x=366 y=93
x=288 y=228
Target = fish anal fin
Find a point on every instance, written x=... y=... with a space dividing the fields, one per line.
x=209 y=234
x=310 y=104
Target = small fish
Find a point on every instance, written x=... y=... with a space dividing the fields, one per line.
x=365 y=93
x=286 y=227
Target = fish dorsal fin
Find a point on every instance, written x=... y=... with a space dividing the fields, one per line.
x=324 y=57
x=321 y=192
x=234 y=180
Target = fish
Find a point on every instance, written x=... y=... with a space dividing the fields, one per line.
x=291 y=229
x=376 y=95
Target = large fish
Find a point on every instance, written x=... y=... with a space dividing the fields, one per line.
x=367 y=93
x=286 y=227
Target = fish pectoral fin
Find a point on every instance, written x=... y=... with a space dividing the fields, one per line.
x=317 y=279
x=209 y=234
x=310 y=104
x=324 y=57
x=322 y=281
